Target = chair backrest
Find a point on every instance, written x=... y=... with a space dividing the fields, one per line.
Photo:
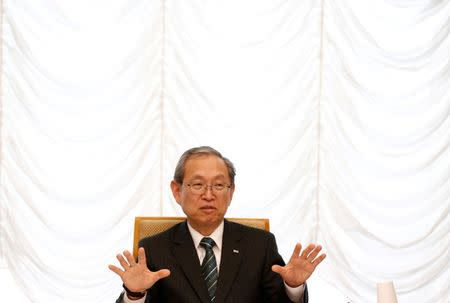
x=149 y=226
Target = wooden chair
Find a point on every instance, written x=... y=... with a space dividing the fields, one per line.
x=149 y=226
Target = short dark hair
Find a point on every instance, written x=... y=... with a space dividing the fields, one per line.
x=201 y=151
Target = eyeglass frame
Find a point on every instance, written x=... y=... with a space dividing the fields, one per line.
x=204 y=188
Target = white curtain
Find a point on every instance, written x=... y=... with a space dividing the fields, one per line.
x=335 y=113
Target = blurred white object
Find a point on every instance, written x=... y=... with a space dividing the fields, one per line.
x=386 y=292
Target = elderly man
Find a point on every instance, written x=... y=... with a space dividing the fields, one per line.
x=207 y=258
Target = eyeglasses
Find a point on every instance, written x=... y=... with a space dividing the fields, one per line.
x=200 y=188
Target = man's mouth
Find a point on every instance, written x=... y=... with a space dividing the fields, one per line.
x=208 y=209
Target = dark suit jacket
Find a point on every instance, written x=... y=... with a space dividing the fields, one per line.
x=245 y=274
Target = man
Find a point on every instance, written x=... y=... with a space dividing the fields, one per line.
x=207 y=258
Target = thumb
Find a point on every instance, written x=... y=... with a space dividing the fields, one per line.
x=163 y=273
x=277 y=268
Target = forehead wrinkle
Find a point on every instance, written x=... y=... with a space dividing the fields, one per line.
x=200 y=176
x=205 y=167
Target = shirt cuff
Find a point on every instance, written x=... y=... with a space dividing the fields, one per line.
x=295 y=294
x=127 y=300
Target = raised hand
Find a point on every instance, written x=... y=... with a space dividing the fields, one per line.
x=136 y=276
x=300 y=266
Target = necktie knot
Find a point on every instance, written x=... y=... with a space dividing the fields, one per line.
x=207 y=243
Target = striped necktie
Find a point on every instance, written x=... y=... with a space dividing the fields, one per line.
x=209 y=267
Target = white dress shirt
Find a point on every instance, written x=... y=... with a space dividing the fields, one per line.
x=294 y=293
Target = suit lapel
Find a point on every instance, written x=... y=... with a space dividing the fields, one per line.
x=230 y=259
x=186 y=255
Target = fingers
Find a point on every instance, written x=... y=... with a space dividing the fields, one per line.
x=129 y=257
x=310 y=254
x=123 y=262
x=141 y=256
x=117 y=270
x=296 y=252
x=314 y=253
x=129 y=261
x=307 y=251
x=318 y=260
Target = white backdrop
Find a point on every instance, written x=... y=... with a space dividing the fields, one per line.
x=335 y=113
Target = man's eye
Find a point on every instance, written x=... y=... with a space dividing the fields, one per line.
x=197 y=185
x=218 y=186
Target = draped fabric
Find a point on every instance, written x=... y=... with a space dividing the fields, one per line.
x=335 y=113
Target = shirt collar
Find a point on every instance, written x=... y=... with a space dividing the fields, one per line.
x=216 y=235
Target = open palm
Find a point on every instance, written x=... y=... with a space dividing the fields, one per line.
x=135 y=275
x=300 y=266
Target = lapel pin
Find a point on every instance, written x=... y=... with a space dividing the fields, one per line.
x=235 y=251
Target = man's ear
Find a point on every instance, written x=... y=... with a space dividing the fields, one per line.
x=231 y=194
x=176 y=190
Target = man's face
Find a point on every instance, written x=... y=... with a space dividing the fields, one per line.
x=205 y=209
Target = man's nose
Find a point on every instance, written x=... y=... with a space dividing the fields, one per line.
x=208 y=193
